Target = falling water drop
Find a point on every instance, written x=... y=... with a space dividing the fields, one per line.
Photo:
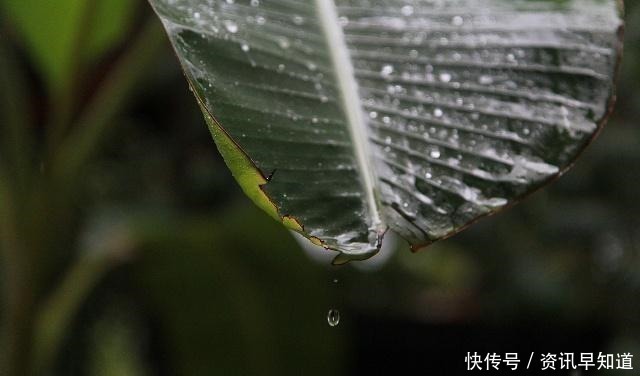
x=333 y=317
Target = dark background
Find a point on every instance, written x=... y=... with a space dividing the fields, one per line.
x=128 y=249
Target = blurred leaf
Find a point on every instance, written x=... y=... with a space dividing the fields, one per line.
x=111 y=24
x=232 y=304
x=116 y=349
x=470 y=104
x=61 y=35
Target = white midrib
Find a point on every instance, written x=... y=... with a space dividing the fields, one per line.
x=350 y=99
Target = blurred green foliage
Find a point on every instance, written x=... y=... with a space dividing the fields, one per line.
x=62 y=37
x=128 y=249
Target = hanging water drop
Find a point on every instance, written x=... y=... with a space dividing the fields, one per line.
x=333 y=317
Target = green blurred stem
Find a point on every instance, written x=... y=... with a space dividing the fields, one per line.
x=64 y=98
x=55 y=316
x=18 y=286
x=98 y=115
x=15 y=120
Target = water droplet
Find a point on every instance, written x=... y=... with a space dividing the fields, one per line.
x=445 y=77
x=406 y=10
x=231 y=26
x=485 y=80
x=333 y=317
x=457 y=20
x=335 y=280
x=386 y=71
x=255 y=3
x=284 y=43
x=196 y=15
x=373 y=114
x=298 y=20
x=437 y=112
x=435 y=153
x=244 y=47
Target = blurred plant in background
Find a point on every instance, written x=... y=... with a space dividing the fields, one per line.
x=127 y=248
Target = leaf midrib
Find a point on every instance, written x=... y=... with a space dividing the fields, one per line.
x=348 y=86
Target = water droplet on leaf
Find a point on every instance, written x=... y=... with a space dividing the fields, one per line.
x=386 y=71
x=407 y=10
x=231 y=26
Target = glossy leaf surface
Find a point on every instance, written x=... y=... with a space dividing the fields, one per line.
x=347 y=118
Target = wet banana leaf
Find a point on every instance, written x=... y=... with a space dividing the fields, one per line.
x=346 y=118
